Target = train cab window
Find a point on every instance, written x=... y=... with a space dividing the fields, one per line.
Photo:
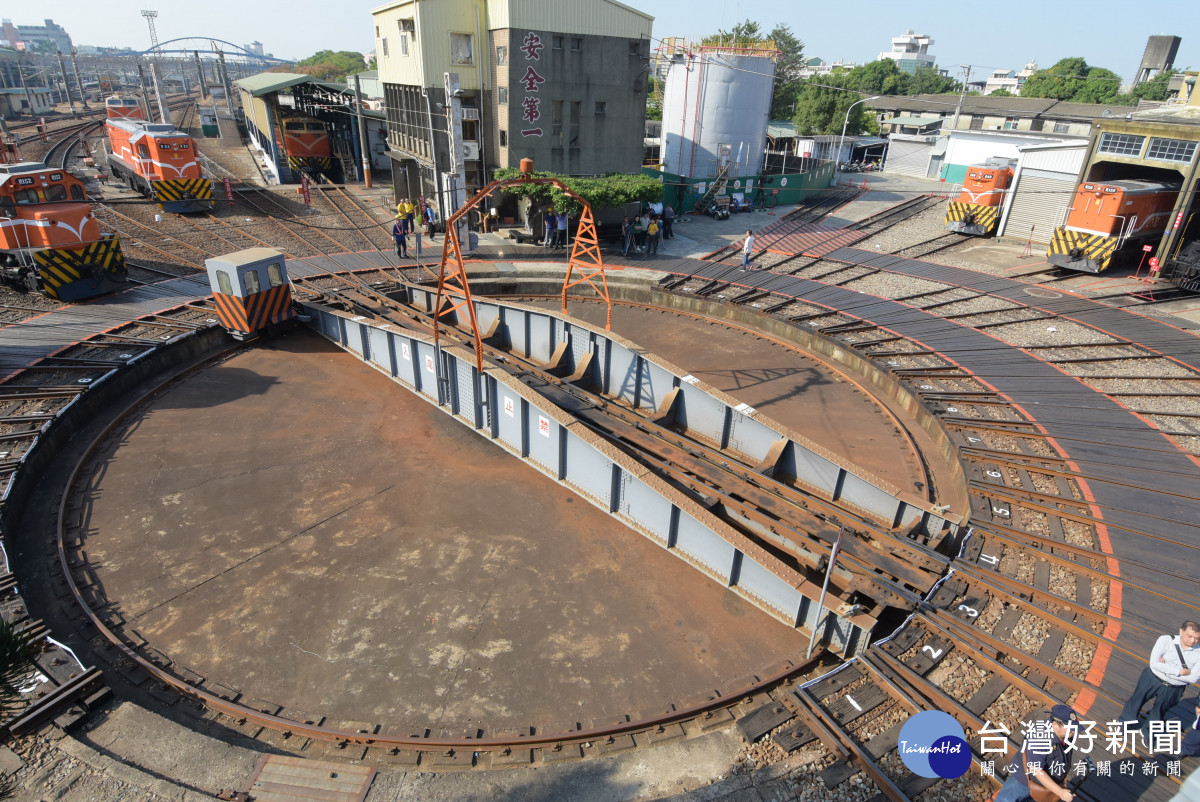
x=143 y=151
x=56 y=192
x=76 y=192
x=315 y=127
x=25 y=197
x=7 y=209
x=274 y=275
x=223 y=283
x=251 y=282
x=293 y=126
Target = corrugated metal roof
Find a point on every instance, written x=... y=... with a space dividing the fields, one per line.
x=914 y=119
x=267 y=82
x=780 y=128
x=1006 y=106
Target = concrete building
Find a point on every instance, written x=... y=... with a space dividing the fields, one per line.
x=1009 y=80
x=29 y=37
x=819 y=66
x=563 y=83
x=1159 y=56
x=910 y=50
x=1000 y=113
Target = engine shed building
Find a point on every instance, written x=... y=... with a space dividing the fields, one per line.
x=1158 y=144
x=270 y=97
x=561 y=82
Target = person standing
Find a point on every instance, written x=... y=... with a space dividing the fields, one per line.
x=639 y=233
x=400 y=235
x=551 y=227
x=652 y=235
x=560 y=238
x=747 y=249
x=668 y=222
x=1174 y=665
x=409 y=214
x=1026 y=774
x=626 y=236
x=430 y=221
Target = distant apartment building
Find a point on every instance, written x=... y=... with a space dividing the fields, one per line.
x=1010 y=80
x=29 y=37
x=819 y=66
x=910 y=50
x=563 y=83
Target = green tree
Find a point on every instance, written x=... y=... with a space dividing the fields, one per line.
x=326 y=65
x=928 y=81
x=1001 y=92
x=605 y=192
x=1154 y=89
x=821 y=109
x=1074 y=80
x=653 y=100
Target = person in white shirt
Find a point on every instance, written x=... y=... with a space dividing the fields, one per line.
x=1174 y=665
x=747 y=249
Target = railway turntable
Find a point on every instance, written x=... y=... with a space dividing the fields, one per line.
x=393 y=560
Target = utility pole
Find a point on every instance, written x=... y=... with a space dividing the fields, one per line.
x=25 y=86
x=200 y=72
x=362 y=133
x=145 y=95
x=158 y=94
x=457 y=174
x=78 y=83
x=958 y=109
x=150 y=15
x=225 y=82
x=66 y=84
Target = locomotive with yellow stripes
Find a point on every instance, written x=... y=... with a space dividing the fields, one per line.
x=306 y=141
x=1108 y=218
x=50 y=240
x=976 y=210
x=157 y=160
x=251 y=291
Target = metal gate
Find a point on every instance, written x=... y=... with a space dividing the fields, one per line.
x=907 y=158
x=1040 y=201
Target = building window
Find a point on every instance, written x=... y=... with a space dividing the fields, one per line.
x=600 y=106
x=403 y=45
x=385 y=49
x=503 y=138
x=576 y=43
x=461 y=49
x=1062 y=128
x=573 y=131
x=1121 y=144
x=376 y=31
x=556 y=123
x=635 y=49
x=502 y=95
x=556 y=42
x=501 y=55
x=1010 y=123
x=1171 y=150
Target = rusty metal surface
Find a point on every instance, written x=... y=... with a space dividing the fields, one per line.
x=799 y=391
x=301 y=546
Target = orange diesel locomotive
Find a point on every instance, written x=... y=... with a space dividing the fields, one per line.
x=977 y=208
x=49 y=238
x=307 y=144
x=1108 y=215
x=158 y=161
x=123 y=108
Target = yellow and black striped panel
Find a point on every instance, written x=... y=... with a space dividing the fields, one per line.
x=1075 y=250
x=323 y=164
x=184 y=194
x=971 y=218
x=255 y=312
x=72 y=274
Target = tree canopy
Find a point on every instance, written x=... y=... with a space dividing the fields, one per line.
x=823 y=101
x=604 y=192
x=1074 y=80
x=327 y=65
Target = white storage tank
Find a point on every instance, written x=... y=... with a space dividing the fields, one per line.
x=716 y=101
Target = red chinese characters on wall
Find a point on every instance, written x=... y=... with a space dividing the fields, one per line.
x=531 y=106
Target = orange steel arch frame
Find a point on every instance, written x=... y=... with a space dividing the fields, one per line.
x=452 y=275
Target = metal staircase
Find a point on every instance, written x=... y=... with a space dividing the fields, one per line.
x=717 y=187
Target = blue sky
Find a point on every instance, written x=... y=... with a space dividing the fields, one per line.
x=997 y=35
